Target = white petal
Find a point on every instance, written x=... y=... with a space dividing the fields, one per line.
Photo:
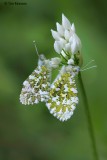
x=68 y=47
x=60 y=29
x=74 y=47
x=75 y=43
x=71 y=39
x=67 y=34
x=78 y=42
x=73 y=27
x=63 y=41
x=58 y=46
x=65 y=22
x=55 y=35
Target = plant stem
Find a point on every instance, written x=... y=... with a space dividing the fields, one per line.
x=89 y=121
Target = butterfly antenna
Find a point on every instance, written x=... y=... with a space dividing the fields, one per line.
x=88 y=64
x=88 y=68
x=36 y=48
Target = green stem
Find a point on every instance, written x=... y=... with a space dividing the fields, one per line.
x=87 y=111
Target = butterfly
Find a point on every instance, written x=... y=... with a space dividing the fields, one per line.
x=63 y=96
x=36 y=86
x=60 y=96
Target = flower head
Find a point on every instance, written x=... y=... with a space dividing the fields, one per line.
x=66 y=40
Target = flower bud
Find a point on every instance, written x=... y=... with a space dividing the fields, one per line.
x=65 y=22
x=60 y=29
x=55 y=35
x=68 y=47
x=73 y=27
x=58 y=46
x=67 y=35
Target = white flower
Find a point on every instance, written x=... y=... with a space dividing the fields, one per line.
x=66 y=38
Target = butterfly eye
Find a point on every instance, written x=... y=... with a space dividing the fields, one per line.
x=36 y=86
x=63 y=97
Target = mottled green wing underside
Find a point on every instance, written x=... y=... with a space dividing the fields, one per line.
x=36 y=87
x=63 y=97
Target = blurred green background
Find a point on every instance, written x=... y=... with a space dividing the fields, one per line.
x=31 y=132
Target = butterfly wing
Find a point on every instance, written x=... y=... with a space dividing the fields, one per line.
x=63 y=97
x=36 y=86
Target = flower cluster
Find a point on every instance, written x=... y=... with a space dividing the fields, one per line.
x=67 y=43
x=60 y=96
